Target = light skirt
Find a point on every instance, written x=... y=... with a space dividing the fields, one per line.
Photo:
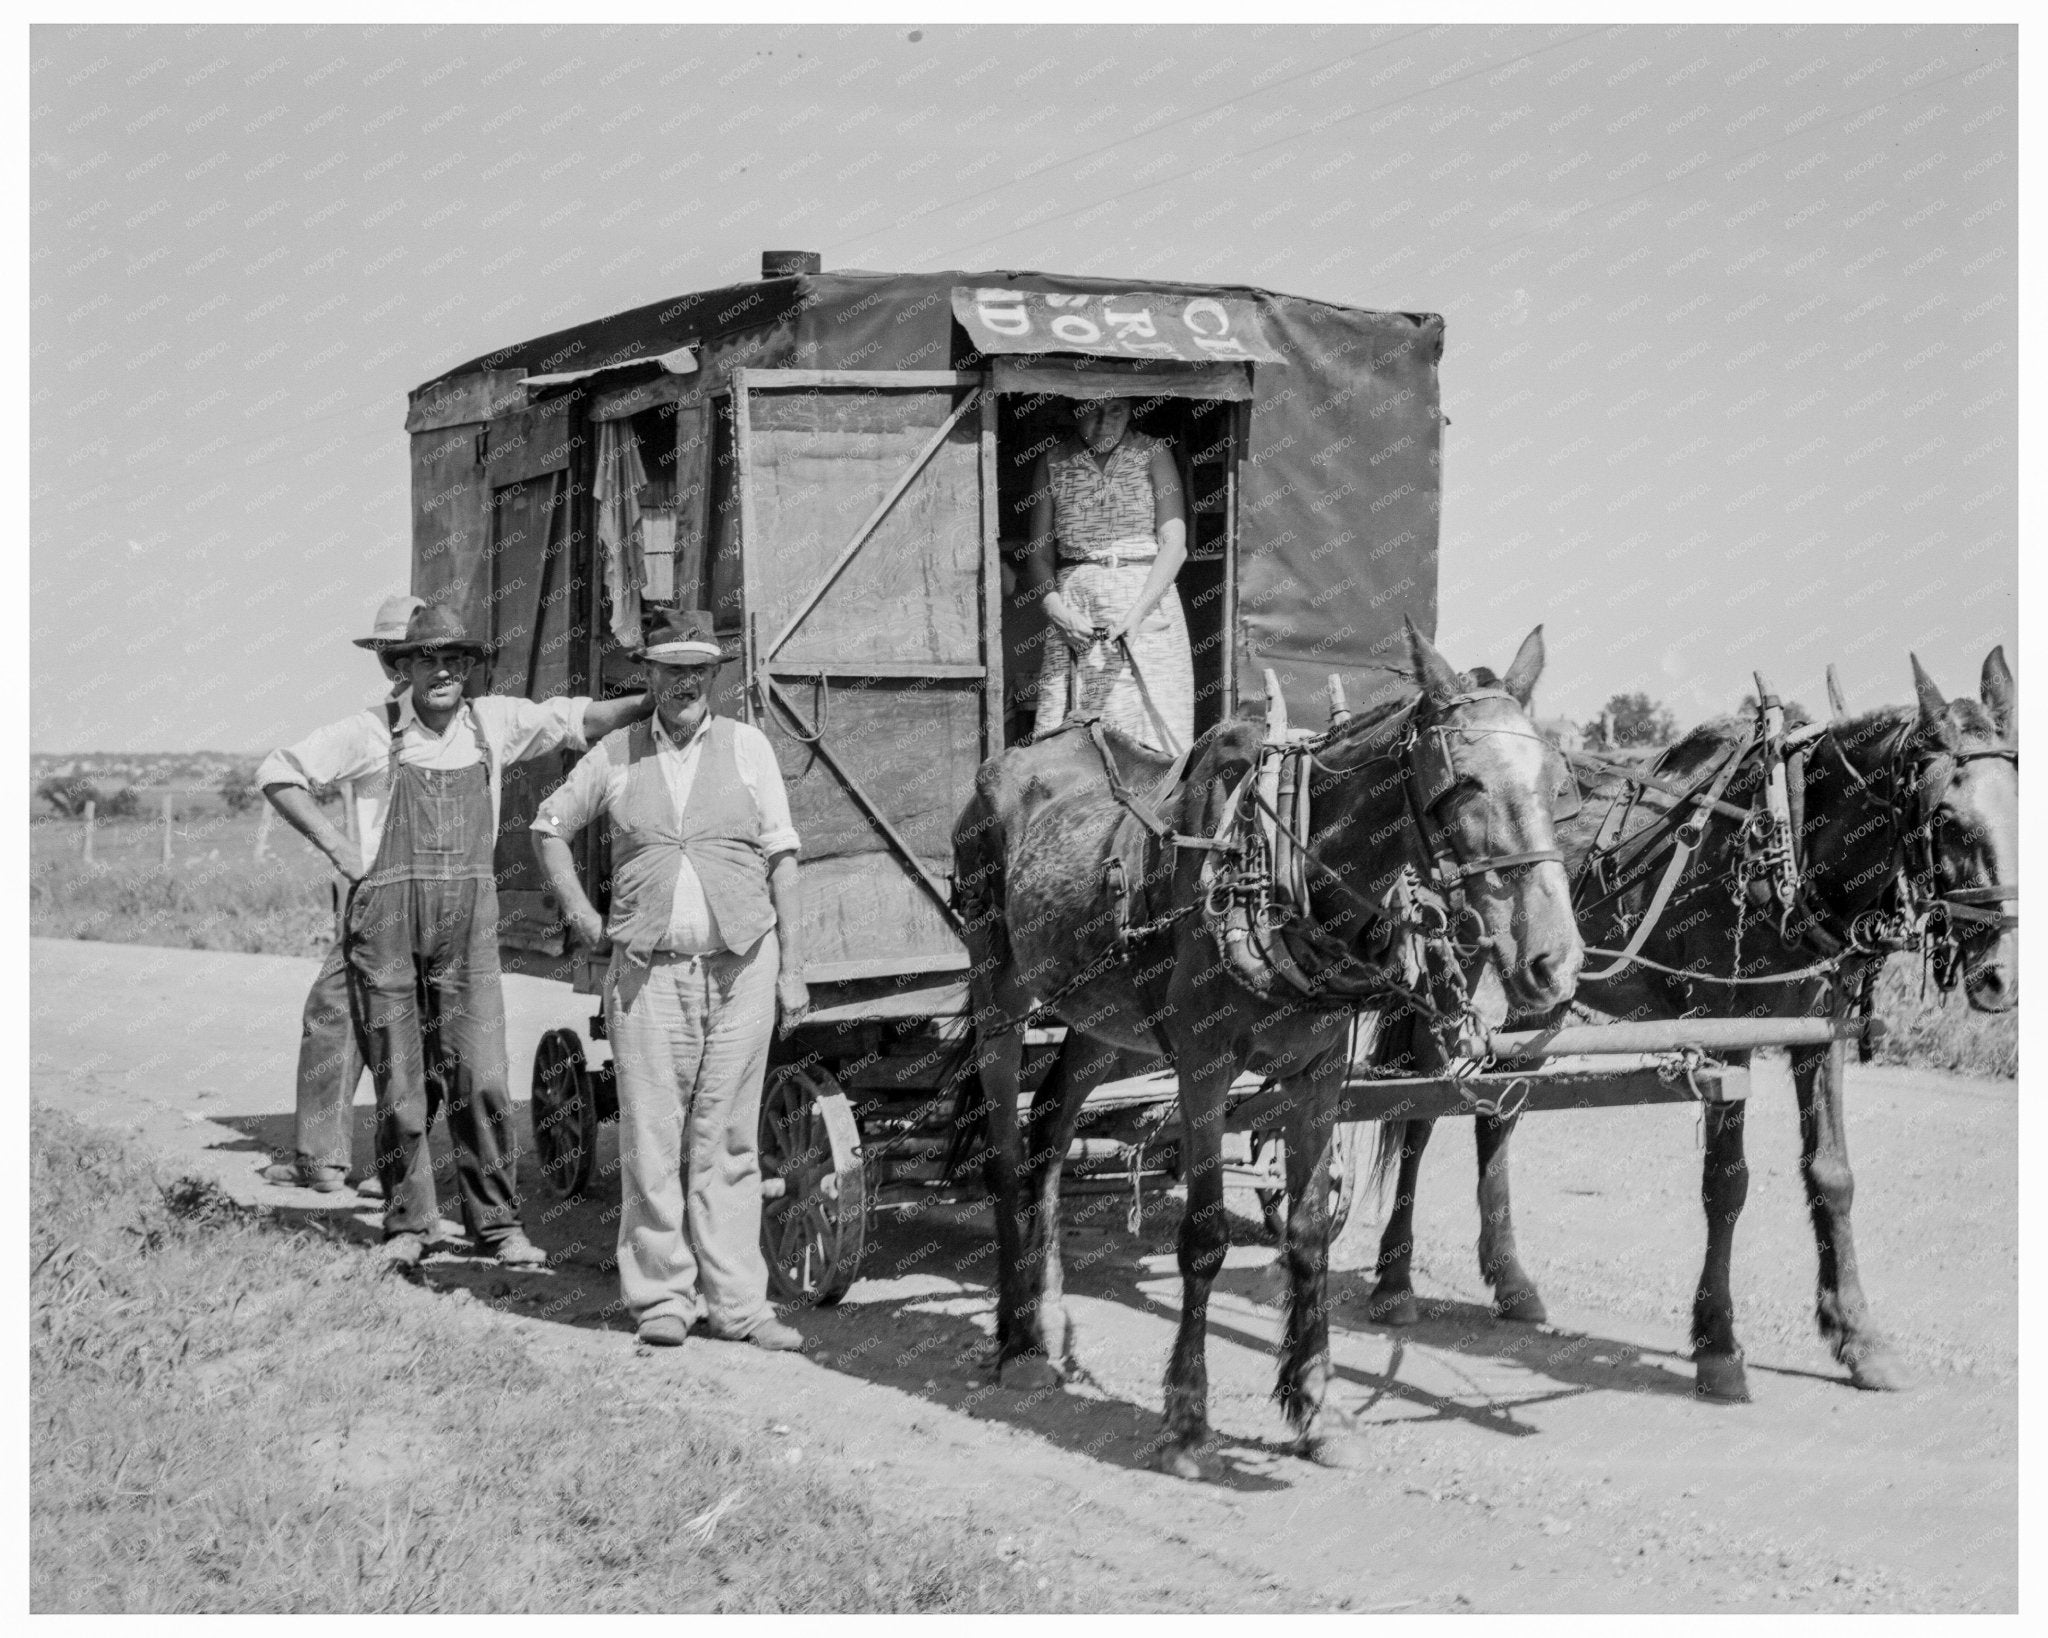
x=1156 y=706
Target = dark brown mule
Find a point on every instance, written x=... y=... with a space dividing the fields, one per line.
x=1945 y=771
x=1032 y=851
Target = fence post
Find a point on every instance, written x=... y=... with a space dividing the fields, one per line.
x=91 y=815
x=167 y=827
x=263 y=831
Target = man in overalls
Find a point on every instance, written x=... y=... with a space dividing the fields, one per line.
x=420 y=928
x=330 y=1063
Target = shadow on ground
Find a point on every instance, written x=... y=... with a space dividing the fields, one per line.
x=920 y=1321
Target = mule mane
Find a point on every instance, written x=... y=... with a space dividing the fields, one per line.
x=1860 y=737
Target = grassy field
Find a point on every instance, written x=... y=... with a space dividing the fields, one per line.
x=213 y=896
x=227 y=1415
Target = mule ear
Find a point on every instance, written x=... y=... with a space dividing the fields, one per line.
x=1933 y=704
x=2000 y=698
x=1528 y=666
x=1432 y=670
x=1837 y=708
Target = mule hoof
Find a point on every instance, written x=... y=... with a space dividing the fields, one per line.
x=1341 y=1448
x=1720 y=1378
x=1523 y=1307
x=1392 y=1308
x=1179 y=1461
x=1879 y=1370
x=1028 y=1373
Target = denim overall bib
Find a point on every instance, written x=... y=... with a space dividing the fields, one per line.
x=421 y=942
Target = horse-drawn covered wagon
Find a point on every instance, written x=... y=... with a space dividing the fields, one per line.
x=838 y=467
x=1215 y=958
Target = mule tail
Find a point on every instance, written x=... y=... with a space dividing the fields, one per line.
x=1386 y=1160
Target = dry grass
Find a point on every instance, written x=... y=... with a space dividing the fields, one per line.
x=212 y=896
x=1935 y=1032
x=228 y=1416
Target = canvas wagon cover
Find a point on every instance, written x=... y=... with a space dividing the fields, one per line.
x=1339 y=501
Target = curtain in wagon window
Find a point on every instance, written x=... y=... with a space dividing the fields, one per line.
x=620 y=476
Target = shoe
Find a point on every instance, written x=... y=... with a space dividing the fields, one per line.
x=664 y=1331
x=773 y=1335
x=512 y=1249
x=403 y=1251
x=370 y=1188
x=288 y=1174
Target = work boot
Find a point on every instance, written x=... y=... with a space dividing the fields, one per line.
x=289 y=1174
x=664 y=1331
x=370 y=1187
x=512 y=1249
x=773 y=1335
x=403 y=1252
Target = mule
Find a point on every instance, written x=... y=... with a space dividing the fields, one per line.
x=1933 y=787
x=1033 y=852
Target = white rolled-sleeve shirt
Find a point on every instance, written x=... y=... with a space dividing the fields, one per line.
x=356 y=752
x=598 y=782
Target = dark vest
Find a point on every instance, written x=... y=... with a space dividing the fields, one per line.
x=718 y=832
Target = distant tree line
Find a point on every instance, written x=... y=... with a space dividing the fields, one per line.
x=68 y=794
x=1630 y=721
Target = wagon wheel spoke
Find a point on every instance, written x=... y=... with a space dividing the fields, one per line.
x=790 y=1236
x=814 y=1233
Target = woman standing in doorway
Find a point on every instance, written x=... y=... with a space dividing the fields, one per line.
x=1111 y=499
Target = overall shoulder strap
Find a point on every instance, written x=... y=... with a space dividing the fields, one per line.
x=483 y=744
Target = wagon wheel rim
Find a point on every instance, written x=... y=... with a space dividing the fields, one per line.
x=564 y=1115
x=813 y=1234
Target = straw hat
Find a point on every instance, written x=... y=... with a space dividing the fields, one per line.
x=680 y=637
x=392 y=614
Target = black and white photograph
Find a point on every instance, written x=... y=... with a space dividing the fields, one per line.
x=780 y=767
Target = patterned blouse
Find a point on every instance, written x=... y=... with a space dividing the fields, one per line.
x=1097 y=511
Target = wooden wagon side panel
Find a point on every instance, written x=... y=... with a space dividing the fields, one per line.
x=863 y=507
x=451 y=511
x=532 y=468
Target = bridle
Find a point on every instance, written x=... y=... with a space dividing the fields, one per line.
x=1430 y=774
x=1255 y=887
x=1923 y=916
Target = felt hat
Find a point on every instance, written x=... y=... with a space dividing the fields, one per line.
x=437 y=627
x=680 y=637
x=389 y=626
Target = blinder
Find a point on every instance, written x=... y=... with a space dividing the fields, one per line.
x=1435 y=775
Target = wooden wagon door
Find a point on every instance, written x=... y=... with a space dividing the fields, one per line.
x=872 y=641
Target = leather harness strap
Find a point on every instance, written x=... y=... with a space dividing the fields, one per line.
x=1686 y=837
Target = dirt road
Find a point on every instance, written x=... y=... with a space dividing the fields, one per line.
x=1561 y=1468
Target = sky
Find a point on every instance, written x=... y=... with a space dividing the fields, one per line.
x=1731 y=312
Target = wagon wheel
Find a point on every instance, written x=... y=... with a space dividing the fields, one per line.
x=564 y=1115
x=1347 y=1156
x=814 y=1213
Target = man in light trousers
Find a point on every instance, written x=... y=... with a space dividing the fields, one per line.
x=704 y=927
x=330 y=1063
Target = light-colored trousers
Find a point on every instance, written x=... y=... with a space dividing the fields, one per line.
x=690 y=1037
